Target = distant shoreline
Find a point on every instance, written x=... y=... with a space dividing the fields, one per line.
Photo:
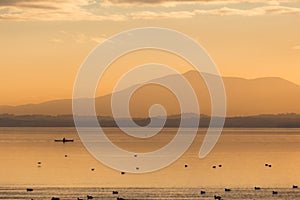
x=290 y=120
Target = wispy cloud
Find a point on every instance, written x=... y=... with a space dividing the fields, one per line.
x=220 y=11
x=98 y=39
x=251 y=12
x=161 y=15
x=66 y=10
x=79 y=37
x=77 y=10
x=180 y=2
x=82 y=38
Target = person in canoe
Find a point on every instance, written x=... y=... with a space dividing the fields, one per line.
x=64 y=140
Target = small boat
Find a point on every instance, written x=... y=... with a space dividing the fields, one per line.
x=274 y=192
x=115 y=192
x=29 y=189
x=295 y=186
x=55 y=198
x=256 y=188
x=79 y=198
x=64 y=140
x=202 y=192
x=227 y=190
x=120 y=198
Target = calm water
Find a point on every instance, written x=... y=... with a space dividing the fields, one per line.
x=65 y=169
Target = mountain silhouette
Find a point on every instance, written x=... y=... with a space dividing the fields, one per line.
x=269 y=95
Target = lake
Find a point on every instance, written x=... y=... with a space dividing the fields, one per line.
x=65 y=170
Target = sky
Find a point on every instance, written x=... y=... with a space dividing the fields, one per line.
x=43 y=43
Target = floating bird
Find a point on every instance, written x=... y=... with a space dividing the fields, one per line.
x=295 y=186
x=115 y=192
x=185 y=166
x=66 y=155
x=270 y=165
x=29 y=189
x=256 y=188
x=266 y=165
x=89 y=197
x=93 y=169
x=55 y=198
x=274 y=192
x=202 y=192
x=220 y=165
x=64 y=140
x=39 y=163
x=227 y=190
x=217 y=197
x=122 y=173
x=214 y=167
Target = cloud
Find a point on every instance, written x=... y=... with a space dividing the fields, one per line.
x=78 y=37
x=82 y=38
x=161 y=15
x=46 y=10
x=98 y=39
x=79 y=10
x=224 y=11
x=179 y=2
x=252 y=12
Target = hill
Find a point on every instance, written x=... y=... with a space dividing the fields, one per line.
x=245 y=97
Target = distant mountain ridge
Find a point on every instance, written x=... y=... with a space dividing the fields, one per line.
x=245 y=97
x=290 y=120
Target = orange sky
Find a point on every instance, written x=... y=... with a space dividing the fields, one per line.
x=43 y=43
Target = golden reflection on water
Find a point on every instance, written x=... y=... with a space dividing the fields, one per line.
x=242 y=153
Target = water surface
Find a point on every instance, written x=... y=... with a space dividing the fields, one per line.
x=242 y=153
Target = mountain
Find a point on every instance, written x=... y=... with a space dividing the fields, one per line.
x=270 y=95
